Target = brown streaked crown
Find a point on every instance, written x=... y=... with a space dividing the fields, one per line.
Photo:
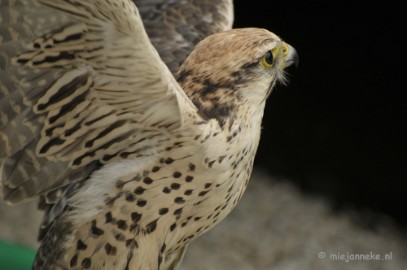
x=222 y=65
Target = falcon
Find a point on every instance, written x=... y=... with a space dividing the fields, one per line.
x=135 y=123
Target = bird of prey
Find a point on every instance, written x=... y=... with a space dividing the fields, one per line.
x=135 y=123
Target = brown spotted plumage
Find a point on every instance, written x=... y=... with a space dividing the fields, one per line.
x=131 y=162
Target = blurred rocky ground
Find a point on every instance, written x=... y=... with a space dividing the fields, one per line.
x=274 y=227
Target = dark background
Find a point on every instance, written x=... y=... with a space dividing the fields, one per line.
x=339 y=129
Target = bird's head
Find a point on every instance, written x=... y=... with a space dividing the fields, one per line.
x=233 y=69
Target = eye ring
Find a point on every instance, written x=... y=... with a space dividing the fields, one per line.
x=267 y=60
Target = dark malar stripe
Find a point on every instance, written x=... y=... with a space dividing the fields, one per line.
x=209 y=88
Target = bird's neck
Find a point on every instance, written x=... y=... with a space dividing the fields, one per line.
x=245 y=124
x=223 y=99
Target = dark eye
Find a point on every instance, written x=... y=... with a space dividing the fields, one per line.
x=267 y=60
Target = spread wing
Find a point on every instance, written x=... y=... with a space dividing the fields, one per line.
x=80 y=85
x=176 y=26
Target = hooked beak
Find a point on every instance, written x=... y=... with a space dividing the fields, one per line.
x=290 y=56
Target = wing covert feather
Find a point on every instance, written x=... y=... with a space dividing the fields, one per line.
x=176 y=26
x=80 y=83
